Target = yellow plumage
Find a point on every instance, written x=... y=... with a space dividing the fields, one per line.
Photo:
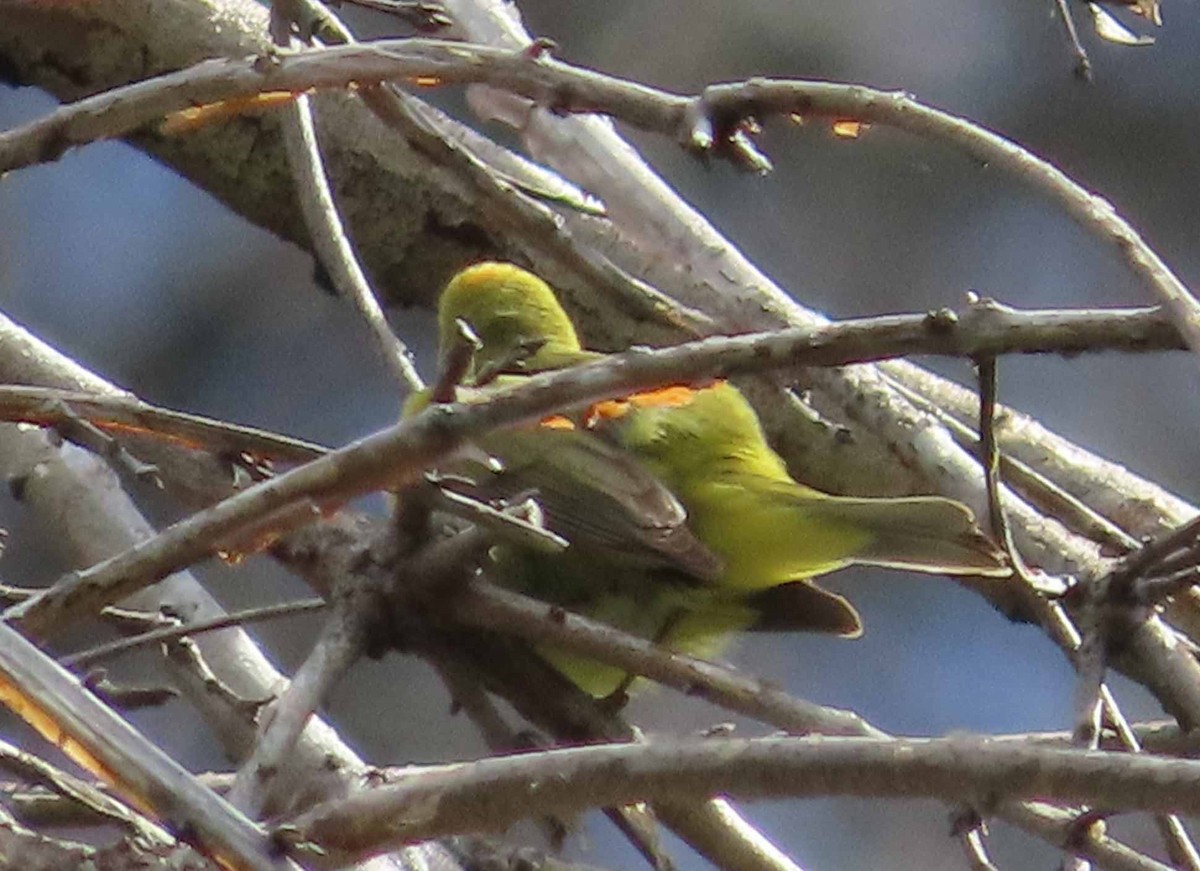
x=766 y=534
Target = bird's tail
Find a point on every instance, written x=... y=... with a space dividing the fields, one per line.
x=922 y=534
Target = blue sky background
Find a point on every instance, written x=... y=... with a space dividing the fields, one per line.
x=126 y=267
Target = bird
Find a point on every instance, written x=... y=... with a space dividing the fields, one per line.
x=761 y=536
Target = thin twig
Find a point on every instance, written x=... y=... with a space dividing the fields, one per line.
x=971 y=830
x=1144 y=560
x=1116 y=588
x=1083 y=64
x=236 y=713
x=1086 y=650
x=84 y=433
x=127 y=697
x=1096 y=704
x=169 y=633
x=990 y=458
x=970 y=826
x=331 y=243
x=1138 y=507
x=418 y=13
x=1094 y=700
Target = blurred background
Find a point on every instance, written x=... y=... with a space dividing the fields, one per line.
x=128 y=269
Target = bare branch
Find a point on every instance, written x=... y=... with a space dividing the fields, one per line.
x=504 y=611
x=494 y=793
x=337 y=648
x=566 y=89
x=124 y=413
x=331 y=243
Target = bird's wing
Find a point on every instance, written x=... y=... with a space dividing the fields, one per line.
x=597 y=496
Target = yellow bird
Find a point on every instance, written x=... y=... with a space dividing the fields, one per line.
x=769 y=534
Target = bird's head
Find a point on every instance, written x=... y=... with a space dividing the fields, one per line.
x=515 y=316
